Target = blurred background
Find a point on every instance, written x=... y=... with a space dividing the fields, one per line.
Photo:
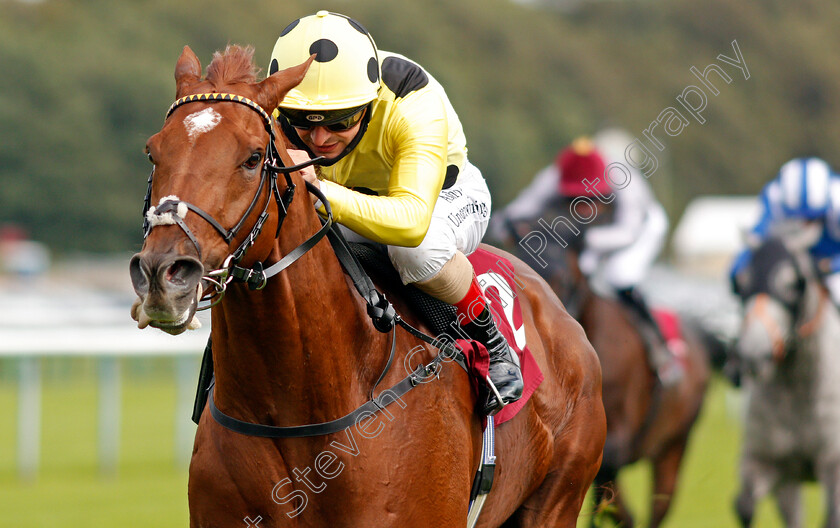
x=94 y=415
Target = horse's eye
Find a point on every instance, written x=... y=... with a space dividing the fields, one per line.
x=253 y=161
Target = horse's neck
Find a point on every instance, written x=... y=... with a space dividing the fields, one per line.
x=297 y=339
x=820 y=325
x=817 y=331
x=580 y=295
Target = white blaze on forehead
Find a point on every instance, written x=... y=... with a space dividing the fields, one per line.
x=200 y=122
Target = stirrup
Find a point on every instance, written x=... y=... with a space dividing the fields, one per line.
x=501 y=404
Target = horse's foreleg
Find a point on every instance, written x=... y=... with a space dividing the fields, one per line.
x=666 y=467
x=829 y=476
x=602 y=499
x=789 y=501
x=745 y=507
x=599 y=498
x=832 y=514
x=757 y=479
x=608 y=503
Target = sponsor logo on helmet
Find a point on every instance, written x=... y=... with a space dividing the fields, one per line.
x=315 y=117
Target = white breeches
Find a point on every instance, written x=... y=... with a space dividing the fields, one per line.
x=459 y=220
x=628 y=266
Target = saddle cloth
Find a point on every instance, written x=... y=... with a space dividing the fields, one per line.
x=496 y=277
x=669 y=323
x=671 y=328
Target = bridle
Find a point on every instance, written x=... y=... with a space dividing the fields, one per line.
x=763 y=293
x=256 y=277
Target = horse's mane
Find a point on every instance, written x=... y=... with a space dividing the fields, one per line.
x=233 y=66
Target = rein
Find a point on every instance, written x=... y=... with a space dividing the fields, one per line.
x=380 y=310
x=810 y=326
x=777 y=337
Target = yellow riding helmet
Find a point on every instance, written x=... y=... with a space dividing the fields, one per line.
x=345 y=73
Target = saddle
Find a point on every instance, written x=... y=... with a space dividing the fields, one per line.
x=438 y=315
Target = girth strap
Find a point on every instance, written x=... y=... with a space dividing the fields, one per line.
x=366 y=410
x=483 y=480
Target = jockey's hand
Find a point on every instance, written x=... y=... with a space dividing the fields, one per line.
x=308 y=173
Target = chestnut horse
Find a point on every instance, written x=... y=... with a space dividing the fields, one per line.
x=303 y=350
x=644 y=421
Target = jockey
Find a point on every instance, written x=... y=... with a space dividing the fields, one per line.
x=805 y=190
x=395 y=170
x=620 y=248
x=623 y=240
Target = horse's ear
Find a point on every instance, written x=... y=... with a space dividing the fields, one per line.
x=187 y=71
x=275 y=87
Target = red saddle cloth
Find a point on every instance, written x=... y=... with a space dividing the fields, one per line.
x=496 y=277
x=669 y=323
x=671 y=328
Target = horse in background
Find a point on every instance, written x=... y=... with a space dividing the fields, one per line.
x=789 y=351
x=302 y=348
x=644 y=420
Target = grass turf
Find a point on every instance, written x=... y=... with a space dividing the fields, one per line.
x=150 y=490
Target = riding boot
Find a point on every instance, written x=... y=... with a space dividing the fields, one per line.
x=662 y=359
x=457 y=285
x=504 y=371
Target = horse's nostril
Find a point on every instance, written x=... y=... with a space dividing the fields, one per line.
x=139 y=278
x=173 y=273
x=184 y=272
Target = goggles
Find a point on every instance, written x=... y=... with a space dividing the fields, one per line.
x=332 y=120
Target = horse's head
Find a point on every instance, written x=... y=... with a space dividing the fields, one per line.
x=773 y=289
x=210 y=192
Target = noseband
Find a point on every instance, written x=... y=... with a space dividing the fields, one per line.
x=256 y=277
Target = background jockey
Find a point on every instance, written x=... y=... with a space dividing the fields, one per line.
x=395 y=169
x=623 y=241
x=805 y=192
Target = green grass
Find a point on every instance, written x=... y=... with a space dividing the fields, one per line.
x=150 y=490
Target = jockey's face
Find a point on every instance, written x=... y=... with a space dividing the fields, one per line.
x=323 y=141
